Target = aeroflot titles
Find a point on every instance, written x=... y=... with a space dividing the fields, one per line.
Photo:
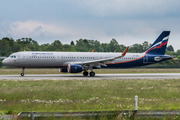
x=42 y=53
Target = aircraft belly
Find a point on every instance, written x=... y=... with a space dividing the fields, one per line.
x=42 y=63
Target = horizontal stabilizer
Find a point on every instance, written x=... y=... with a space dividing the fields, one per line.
x=161 y=58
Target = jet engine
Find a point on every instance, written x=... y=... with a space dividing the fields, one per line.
x=63 y=70
x=74 y=68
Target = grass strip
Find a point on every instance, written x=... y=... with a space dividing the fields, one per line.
x=88 y=95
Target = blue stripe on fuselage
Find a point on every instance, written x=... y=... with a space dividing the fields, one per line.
x=146 y=60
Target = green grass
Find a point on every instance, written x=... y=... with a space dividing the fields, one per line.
x=17 y=71
x=92 y=95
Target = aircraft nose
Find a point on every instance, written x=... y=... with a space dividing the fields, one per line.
x=5 y=62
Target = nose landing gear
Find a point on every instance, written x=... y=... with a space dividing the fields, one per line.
x=22 y=74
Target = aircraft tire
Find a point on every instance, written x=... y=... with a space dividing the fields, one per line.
x=85 y=73
x=92 y=74
x=22 y=74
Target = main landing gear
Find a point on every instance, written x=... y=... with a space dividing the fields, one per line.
x=22 y=74
x=85 y=73
x=92 y=74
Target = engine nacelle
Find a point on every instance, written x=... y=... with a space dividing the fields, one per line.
x=74 y=68
x=63 y=70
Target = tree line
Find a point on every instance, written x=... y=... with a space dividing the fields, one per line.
x=9 y=46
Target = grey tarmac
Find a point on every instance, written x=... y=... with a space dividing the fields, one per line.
x=148 y=76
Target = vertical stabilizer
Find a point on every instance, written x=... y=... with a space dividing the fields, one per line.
x=159 y=46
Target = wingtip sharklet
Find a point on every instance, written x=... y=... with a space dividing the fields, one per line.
x=125 y=51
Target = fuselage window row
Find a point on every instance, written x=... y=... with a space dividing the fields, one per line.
x=70 y=57
x=78 y=57
x=40 y=57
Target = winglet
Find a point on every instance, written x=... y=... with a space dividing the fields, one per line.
x=93 y=50
x=125 y=51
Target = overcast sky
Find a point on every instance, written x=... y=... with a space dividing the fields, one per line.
x=128 y=21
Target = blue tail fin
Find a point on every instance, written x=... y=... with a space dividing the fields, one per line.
x=159 y=46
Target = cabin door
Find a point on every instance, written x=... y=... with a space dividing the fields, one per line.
x=23 y=57
x=145 y=59
x=58 y=58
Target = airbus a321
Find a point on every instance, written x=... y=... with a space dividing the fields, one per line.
x=76 y=62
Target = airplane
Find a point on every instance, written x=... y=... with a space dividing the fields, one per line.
x=76 y=62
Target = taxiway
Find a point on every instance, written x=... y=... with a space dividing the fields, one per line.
x=149 y=76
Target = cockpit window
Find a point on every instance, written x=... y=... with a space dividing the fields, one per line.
x=12 y=56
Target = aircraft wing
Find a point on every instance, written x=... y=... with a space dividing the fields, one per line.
x=1 y=58
x=97 y=63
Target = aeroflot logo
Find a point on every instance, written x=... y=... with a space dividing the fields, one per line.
x=159 y=43
x=42 y=53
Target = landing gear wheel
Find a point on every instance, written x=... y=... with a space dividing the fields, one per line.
x=85 y=73
x=22 y=74
x=92 y=74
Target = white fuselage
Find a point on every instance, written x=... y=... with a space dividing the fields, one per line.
x=62 y=59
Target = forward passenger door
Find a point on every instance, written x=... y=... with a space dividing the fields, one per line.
x=23 y=57
x=58 y=58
